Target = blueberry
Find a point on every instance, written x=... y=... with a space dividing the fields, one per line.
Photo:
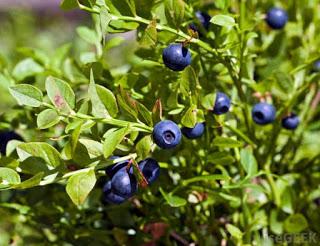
x=166 y=134
x=5 y=137
x=109 y=196
x=111 y=170
x=277 y=18
x=195 y=132
x=290 y=122
x=316 y=66
x=150 y=169
x=222 y=104
x=204 y=19
x=176 y=57
x=124 y=183
x=263 y=113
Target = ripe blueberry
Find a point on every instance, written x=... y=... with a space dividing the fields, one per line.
x=166 y=134
x=124 y=183
x=150 y=169
x=277 y=18
x=109 y=196
x=263 y=113
x=222 y=104
x=5 y=137
x=176 y=57
x=195 y=132
x=111 y=170
x=316 y=66
x=204 y=19
x=290 y=122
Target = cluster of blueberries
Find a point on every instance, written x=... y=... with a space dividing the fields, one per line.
x=123 y=183
x=177 y=57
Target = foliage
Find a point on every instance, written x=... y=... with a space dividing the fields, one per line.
x=240 y=183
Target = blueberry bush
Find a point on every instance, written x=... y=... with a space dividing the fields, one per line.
x=164 y=122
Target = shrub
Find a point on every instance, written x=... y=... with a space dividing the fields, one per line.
x=89 y=117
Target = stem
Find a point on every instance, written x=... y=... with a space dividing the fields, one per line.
x=110 y=121
x=272 y=184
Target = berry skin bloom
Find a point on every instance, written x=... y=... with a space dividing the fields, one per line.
x=109 y=196
x=222 y=104
x=263 y=113
x=277 y=18
x=150 y=169
x=290 y=122
x=112 y=169
x=193 y=133
x=166 y=134
x=176 y=57
x=124 y=183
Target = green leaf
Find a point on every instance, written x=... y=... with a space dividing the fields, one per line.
x=248 y=162
x=29 y=183
x=60 y=94
x=102 y=99
x=59 y=55
x=42 y=150
x=113 y=137
x=223 y=20
x=188 y=81
x=79 y=186
x=117 y=26
x=47 y=118
x=275 y=225
x=108 y=99
x=143 y=147
x=68 y=4
x=226 y=142
x=157 y=111
x=150 y=35
x=173 y=201
x=145 y=114
x=221 y=158
x=234 y=231
x=128 y=104
x=175 y=10
x=26 y=68
x=189 y=119
x=88 y=35
x=94 y=148
x=132 y=6
x=208 y=101
x=113 y=42
x=295 y=223
x=8 y=177
x=27 y=95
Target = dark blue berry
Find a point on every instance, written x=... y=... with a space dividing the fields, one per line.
x=195 y=132
x=277 y=18
x=316 y=66
x=166 y=134
x=150 y=169
x=109 y=196
x=111 y=170
x=176 y=57
x=290 y=122
x=124 y=183
x=204 y=19
x=5 y=137
x=222 y=104
x=263 y=113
